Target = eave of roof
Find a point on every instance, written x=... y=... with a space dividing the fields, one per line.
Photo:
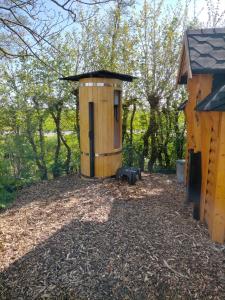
x=214 y=102
x=100 y=74
x=181 y=77
x=182 y=105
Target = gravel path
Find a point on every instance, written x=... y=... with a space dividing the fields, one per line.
x=80 y=239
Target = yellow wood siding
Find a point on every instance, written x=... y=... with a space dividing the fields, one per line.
x=198 y=88
x=218 y=212
x=103 y=98
x=206 y=133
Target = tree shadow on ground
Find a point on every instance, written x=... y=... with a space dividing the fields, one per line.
x=121 y=257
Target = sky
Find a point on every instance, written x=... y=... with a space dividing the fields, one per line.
x=201 y=8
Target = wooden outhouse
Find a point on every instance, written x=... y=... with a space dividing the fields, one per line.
x=202 y=69
x=100 y=107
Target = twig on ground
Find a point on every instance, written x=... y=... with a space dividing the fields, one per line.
x=174 y=271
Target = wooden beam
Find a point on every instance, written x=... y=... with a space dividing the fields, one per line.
x=188 y=61
x=218 y=214
x=181 y=61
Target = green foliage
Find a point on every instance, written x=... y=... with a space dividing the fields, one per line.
x=67 y=121
x=6 y=197
x=7 y=185
x=132 y=153
x=39 y=114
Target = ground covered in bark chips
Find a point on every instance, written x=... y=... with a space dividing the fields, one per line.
x=79 y=239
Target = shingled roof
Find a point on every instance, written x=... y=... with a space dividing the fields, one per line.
x=214 y=102
x=203 y=52
x=207 y=50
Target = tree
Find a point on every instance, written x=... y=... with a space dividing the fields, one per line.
x=216 y=13
x=159 y=35
x=45 y=96
x=25 y=28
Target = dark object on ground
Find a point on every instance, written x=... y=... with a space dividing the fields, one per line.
x=129 y=173
x=163 y=170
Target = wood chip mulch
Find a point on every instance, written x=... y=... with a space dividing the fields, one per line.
x=79 y=239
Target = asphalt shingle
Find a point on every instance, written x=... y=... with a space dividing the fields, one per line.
x=206 y=50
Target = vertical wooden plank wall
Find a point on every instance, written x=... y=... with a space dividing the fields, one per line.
x=206 y=133
x=204 y=88
x=198 y=88
x=103 y=98
x=218 y=203
x=84 y=123
x=210 y=164
x=206 y=128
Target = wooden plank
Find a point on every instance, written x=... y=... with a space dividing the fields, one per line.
x=96 y=127
x=84 y=142
x=198 y=88
x=205 y=142
x=218 y=214
x=188 y=62
x=85 y=163
x=212 y=166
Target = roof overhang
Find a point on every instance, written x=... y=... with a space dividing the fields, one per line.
x=100 y=74
x=182 y=105
x=184 y=71
x=213 y=102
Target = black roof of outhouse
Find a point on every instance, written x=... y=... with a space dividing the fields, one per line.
x=100 y=74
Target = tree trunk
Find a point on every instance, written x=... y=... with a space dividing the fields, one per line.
x=145 y=146
x=44 y=172
x=60 y=138
x=151 y=132
x=131 y=154
x=77 y=115
x=126 y=106
x=68 y=156
x=179 y=141
x=57 y=120
x=154 y=148
x=41 y=167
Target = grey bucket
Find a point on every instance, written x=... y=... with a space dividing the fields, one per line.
x=180 y=166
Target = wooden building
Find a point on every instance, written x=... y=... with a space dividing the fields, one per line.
x=100 y=106
x=202 y=69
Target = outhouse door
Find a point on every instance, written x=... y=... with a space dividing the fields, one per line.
x=91 y=139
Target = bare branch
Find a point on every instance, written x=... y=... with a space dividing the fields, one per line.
x=11 y=55
x=30 y=24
